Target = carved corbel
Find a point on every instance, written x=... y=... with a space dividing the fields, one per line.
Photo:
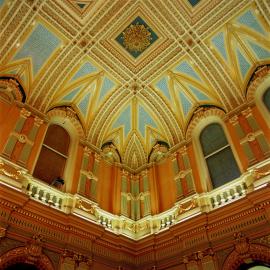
x=33 y=250
x=242 y=244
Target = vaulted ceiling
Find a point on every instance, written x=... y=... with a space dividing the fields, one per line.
x=134 y=71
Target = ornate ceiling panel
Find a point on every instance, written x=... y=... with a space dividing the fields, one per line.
x=133 y=71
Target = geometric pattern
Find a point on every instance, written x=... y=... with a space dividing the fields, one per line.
x=39 y=47
x=136 y=37
x=99 y=48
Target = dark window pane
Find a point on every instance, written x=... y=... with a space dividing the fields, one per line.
x=266 y=99
x=212 y=138
x=50 y=165
x=222 y=167
x=57 y=138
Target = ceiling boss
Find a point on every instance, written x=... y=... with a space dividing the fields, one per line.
x=136 y=38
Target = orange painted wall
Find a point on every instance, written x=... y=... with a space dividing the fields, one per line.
x=117 y=192
x=106 y=179
x=166 y=186
x=153 y=190
x=195 y=168
x=237 y=146
x=262 y=123
x=77 y=169
x=36 y=147
x=7 y=124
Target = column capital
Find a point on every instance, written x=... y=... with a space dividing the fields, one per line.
x=144 y=173
x=124 y=173
x=38 y=121
x=87 y=150
x=247 y=112
x=182 y=150
x=97 y=157
x=25 y=113
x=234 y=120
x=173 y=155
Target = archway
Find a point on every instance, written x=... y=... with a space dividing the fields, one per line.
x=247 y=256
x=22 y=257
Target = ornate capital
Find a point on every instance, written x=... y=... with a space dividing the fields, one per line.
x=144 y=173
x=38 y=121
x=124 y=173
x=25 y=113
x=183 y=150
x=247 y=112
x=173 y=156
x=87 y=150
x=77 y=257
x=234 y=120
x=97 y=157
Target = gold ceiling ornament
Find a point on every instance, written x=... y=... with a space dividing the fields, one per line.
x=136 y=38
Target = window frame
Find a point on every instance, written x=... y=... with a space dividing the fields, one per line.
x=69 y=168
x=206 y=181
x=259 y=94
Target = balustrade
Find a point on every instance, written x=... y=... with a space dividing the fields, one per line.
x=85 y=208
x=44 y=193
x=229 y=192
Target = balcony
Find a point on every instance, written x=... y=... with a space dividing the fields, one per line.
x=19 y=179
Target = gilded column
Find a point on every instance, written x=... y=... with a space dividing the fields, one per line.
x=94 y=178
x=124 y=193
x=146 y=194
x=135 y=198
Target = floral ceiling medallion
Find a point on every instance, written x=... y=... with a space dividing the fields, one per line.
x=137 y=37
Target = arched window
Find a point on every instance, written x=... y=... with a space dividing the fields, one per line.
x=53 y=155
x=266 y=98
x=217 y=152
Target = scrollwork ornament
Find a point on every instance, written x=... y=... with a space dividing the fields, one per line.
x=251 y=137
x=22 y=138
x=34 y=249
